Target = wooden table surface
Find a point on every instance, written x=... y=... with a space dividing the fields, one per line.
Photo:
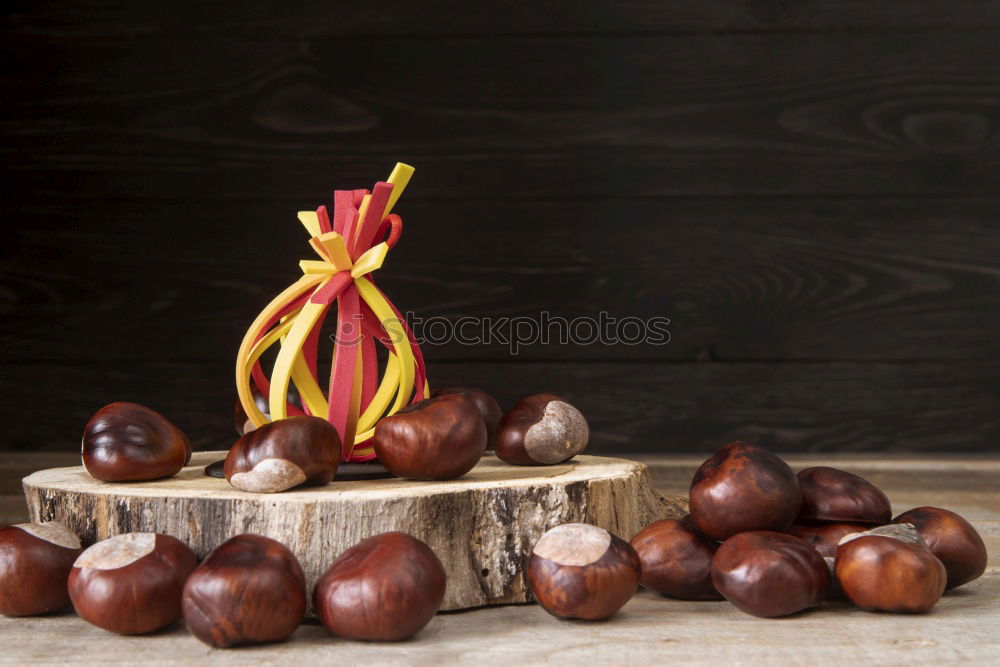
x=963 y=627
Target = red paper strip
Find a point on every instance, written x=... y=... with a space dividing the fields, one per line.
x=324 y=220
x=345 y=355
x=365 y=233
x=343 y=201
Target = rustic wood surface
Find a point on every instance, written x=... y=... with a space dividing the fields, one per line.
x=99 y=18
x=481 y=526
x=808 y=190
x=846 y=406
x=650 y=629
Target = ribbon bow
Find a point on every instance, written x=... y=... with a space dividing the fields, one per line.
x=356 y=400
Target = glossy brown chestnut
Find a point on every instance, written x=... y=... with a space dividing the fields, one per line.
x=581 y=571
x=824 y=537
x=35 y=560
x=284 y=454
x=676 y=560
x=542 y=429
x=890 y=568
x=488 y=408
x=952 y=539
x=242 y=423
x=249 y=590
x=132 y=583
x=743 y=487
x=829 y=494
x=770 y=574
x=385 y=588
x=125 y=442
x=438 y=438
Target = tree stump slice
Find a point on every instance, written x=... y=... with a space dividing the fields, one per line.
x=482 y=526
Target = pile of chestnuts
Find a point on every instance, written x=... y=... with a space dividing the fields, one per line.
x=249 y=590
x=768 y=540
x=439 y=438
x=773 y=542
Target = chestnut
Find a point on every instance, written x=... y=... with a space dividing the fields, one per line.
x=541 y=429
x=770 y=574
x=829 y=494
x=132 y=583
x=35 y=560
x=249 y=590
x=952 y=539
x=890 y=568
x=126 y=442
x=385 y=588
x=824 y=537
x=487 y=405
x=283 y=454
x=676 y=560
x=743 y=487
x=438 y=438
x=242 y=423
x=581 y=571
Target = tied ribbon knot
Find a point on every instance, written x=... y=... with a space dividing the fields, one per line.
x=348 y=253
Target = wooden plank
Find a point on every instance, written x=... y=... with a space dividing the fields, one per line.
x=122 y=19
x=632 y=407
x=650 y=629
x=676 y=115
x=742 y=279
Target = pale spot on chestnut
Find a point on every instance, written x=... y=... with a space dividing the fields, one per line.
x=573 y=544
x=53 y=532
x=899 y=531
x=269 y=476
x=284 y=454
x=541 y=429
x=890 y=568
x=35 y=562
x=582 y=571
x=117 y=551
x=131 y=584
x=559 y=435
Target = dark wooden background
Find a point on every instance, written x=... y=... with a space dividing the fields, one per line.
x=809 y=190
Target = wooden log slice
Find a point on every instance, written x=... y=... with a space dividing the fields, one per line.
x=482 y=526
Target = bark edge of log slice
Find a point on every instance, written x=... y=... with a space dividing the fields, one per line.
x=482 y=526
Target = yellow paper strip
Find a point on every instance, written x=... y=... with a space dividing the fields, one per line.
x=272 y=337
x=315 y=266
x=365 y=201
x=397 y=335
x=336 y=250
x=371 y=260
x=310 y=221
x=399 y=178
x=310 y=392
x=386 y=390
x=292 y=347
x=291 y=293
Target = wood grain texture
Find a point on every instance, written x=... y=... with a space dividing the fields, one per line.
x=631 y=407
x=678 y=115
x=482 y=526
x=808 y=190
x=651 y=629
x=739 y=280
x=123 y=19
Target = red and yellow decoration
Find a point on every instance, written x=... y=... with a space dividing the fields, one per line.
x=350 y=249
